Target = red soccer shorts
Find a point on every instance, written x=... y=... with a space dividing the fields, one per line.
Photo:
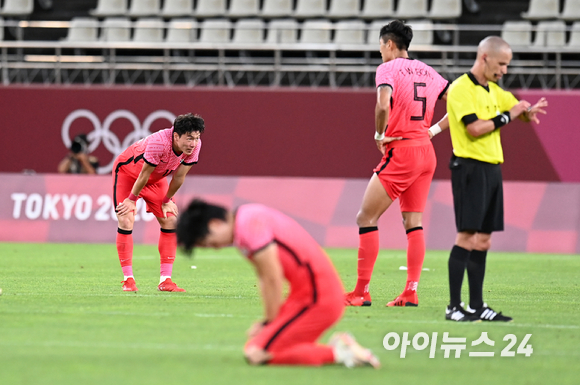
x=406 y=171
x=152 y=194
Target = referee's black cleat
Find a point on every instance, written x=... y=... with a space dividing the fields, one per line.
x=485 y=313
x=459 y=314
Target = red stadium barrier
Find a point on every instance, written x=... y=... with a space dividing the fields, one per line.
x=259 y=132
x=540 y=217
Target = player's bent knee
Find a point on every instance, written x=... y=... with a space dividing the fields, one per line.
x=168 y=223
x=126 y=221
x=364 y=220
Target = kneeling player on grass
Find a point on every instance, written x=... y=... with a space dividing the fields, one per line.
x=280 y=249
x=140 y=172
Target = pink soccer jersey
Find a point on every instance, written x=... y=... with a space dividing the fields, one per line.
x=157 y=150
x=303 y=260
x=416 y=88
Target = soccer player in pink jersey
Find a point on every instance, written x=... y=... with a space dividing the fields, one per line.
x=280 y=249
x=140 y=172
x=406 y=94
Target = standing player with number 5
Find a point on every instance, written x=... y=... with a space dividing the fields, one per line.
x=407 y=91
x=140 y=172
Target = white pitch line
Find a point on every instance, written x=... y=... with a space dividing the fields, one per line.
x=131 y=295
x=121 y=313
x=106 y=345
x=508 y=324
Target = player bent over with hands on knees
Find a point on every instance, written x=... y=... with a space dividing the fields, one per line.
x=140 y=172
x=280 y=249
x=407 y=91
x=477 y=108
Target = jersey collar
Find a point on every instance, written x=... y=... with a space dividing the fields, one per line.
x=474 y=80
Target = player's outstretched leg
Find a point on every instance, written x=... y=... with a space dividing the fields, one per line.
x=349 y=353
x=367 y=255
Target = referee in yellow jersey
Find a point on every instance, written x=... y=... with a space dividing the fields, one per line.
x=477 y=110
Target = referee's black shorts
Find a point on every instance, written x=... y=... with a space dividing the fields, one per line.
x=477 y=195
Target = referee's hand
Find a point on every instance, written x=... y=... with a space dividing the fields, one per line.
x=538 y=108
x=382 y=144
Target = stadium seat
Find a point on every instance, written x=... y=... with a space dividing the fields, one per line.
x=374 y=30
x=83 y=29
x=316 y=31
x=344 y=9
x=108 y=8
x=249 y=31
x=574 y=40
x=571 y=10
x=422 y=32
x=181 y=30
x=350 y=32
x=148 y=30
x=310 y=8
x=116 y=29
x=215 y=31
x=517 y=33
x=210 y=8
x=445 y=9
x=276 y=8
x=283 y=31
x=550 y=34
x=376 y=9
x=140 y=8
x=542 y=10
x=17 y=8
x=177 y=8
x=244 y=8
x=411 y=9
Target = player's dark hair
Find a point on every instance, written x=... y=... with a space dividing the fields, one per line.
x=187 y=123
x=193 y=224
x=400 y=34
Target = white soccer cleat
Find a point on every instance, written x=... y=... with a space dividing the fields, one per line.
x=349 y=353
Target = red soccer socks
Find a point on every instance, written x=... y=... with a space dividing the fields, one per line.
x=367 y=255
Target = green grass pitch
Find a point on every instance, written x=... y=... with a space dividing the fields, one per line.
x=65 y=320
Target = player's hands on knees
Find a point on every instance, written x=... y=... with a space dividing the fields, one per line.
x=169 y=207
x=255 y=329
x=126 y=207
x=381 y=144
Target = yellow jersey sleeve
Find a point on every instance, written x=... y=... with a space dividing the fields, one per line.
x=461 y=99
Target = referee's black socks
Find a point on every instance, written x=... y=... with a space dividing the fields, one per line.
x=457 y=264
x=475 y=275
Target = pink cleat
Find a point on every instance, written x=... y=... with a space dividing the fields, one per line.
x=168 y=285
x=129 y=284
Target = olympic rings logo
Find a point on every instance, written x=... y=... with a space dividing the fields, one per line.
x=102 y=132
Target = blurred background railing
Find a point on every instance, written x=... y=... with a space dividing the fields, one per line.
x=276 y=42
